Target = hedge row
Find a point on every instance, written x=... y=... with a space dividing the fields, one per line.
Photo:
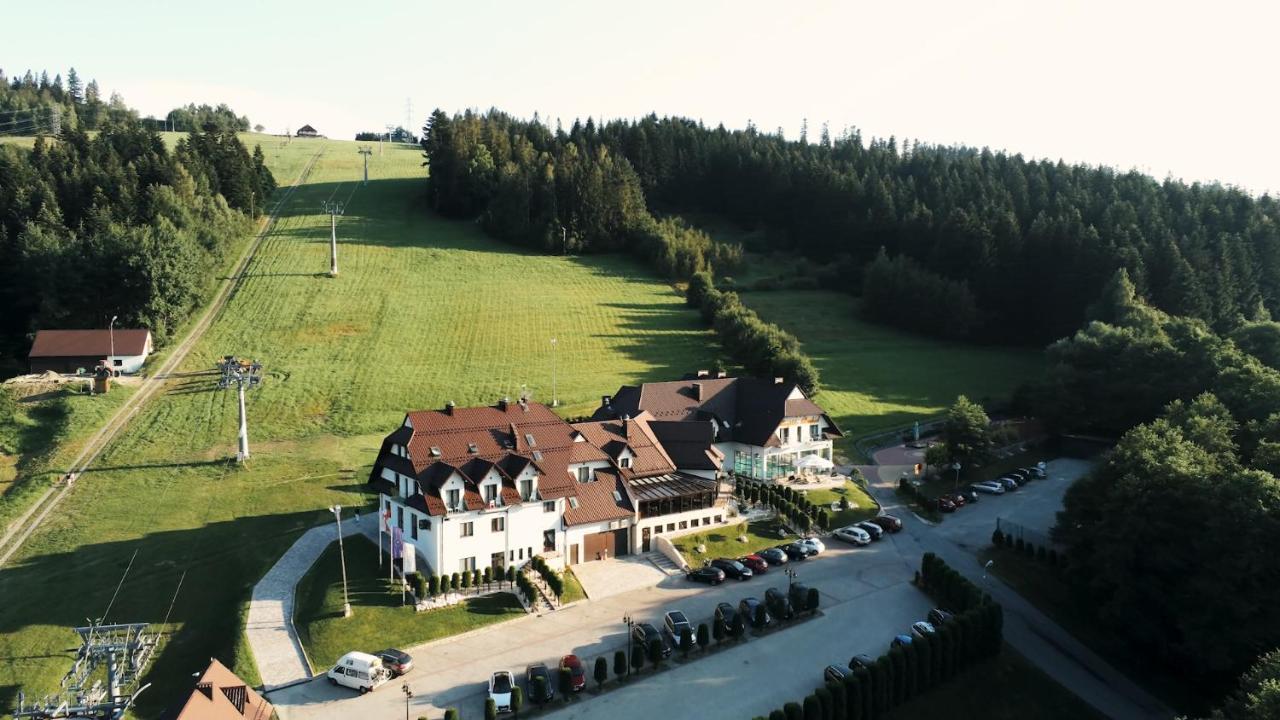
x=799 y=511
x=1028 y=548
x=552 y=578
x=430 y=586
x=973 y=634
x=764 y=349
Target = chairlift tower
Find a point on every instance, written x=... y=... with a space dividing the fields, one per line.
x=335 y=209
x=366 y=152
x=242 y=374
x=121 y=652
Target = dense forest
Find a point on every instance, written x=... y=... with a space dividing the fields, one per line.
x=1032 y=243
x=117 y=224
x=206 y=117
x=33 y=104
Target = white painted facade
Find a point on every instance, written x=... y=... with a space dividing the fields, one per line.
x=797 y=437
x=677 y=524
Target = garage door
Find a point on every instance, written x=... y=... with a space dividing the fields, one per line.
x=620 y=542
x=598 y=545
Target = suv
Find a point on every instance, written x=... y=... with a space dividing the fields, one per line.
x=645 y=633
x=674 y=623
x=778 y=604
x=852 y=534
x=707 y=574
x=732 y=568
x=750 y=615
x=938 y=616
x=798 y=594
x=991 y=487
x=531 y=675
x=873 y=529
x=726 y=614
x=888 y=522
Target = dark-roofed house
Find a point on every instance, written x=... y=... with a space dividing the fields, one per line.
x=66 y=351
x=306 y=131
x=760 y=428
x=220 y=695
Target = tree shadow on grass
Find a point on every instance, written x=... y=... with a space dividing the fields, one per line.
x=43 y=594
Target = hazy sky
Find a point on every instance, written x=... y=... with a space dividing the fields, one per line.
x=1182 y=88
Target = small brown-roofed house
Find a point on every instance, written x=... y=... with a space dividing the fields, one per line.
x=67 y=351
x=306 y=131
x=220 y=695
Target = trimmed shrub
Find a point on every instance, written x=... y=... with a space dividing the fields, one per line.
x=601 y=671
x=812 y=598
x=517 y=699
x=793 y=711
x=456 y=582
x=839 y=706
x=686 y=641
x=490 y=709
x=812 y=708
x=451 y=714
x=704 y=636
x=739 y=627
x=620 y=663
x=719 y=630
x=777 y=715
x=824 y=701
x=997 y=538
x=655 y=653
x=565 y=683
x=433 y=585
x=540 y=688
x=488 y=576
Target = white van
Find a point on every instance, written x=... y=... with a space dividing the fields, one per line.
x=359 y=671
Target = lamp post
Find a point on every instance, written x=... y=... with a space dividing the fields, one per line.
x=111 y=333
x=956 y=466
x=630 y=623
x=408 y=695
x=554 y=398
x=791 y=576
x=342 y=557
x=564 y=241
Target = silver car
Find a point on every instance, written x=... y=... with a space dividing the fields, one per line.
x=853 y=534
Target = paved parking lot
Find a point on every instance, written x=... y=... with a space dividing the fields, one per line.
x=866 y=598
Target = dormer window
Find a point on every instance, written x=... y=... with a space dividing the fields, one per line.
x=625 y=462
x=454 y=497
x=526 y=489
x=584 y=474
x=491 y=493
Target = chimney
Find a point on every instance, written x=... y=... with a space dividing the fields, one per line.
x=778 y=381
x=704 y=373
x=697 y=391
x=626 y=424
x=448 y=408
x=606 y=401
x=503 y=403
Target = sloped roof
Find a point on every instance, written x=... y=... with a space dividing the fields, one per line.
x=597 y=502
x=689 y=444
x=220 y=695
x=615 y=436
x=89 y=343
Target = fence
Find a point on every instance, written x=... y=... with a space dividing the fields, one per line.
x=868 y=444
x=1015 y=531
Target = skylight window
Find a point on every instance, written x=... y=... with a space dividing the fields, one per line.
x=528 y=437
x=471 y=448
x=537 y=455
x=573 y=503
x=435 y=451
x=617 y=496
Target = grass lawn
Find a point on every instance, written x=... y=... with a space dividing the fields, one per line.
x=874 y=376
x=861 y=506
x=573 y=591
x=1044 y=587
x=378 y=620
x=1006 y=687
x=425 y=310
x=723 y=542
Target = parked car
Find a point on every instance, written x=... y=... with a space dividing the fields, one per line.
x=938 y=616
x=888 y=522
x=577 y=673
x=707 y=574
x=757 y=564
x=674 y=623
x=796 y=551
x=644 y=633
x=968 y=494
x=836 y=673
x=861 y=661
x=774 y=556
x=852 y=534
x=397 y=661
x=726 y=614
x=944 y=503
x=990 y=487
x=1036 y=471
x=531 y=675
x=732 y=568
x=500 y=684
x=872 y=529
x=798 y=594
x=747 y=608
x=903 y=640
x=778 y=604
x=1008 y=483
x=359 y=671
x=922 y=628
x=815 y=543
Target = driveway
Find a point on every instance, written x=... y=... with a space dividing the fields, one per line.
x=866 y=597
x=605 y=578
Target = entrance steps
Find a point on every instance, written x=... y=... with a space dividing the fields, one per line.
x=663 y=563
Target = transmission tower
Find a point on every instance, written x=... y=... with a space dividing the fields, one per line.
x=408 y=113
x=335 y=209
x=121 y=651
x=243 y=374
x=366 y=152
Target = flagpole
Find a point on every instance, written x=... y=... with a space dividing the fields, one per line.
x=379 y=534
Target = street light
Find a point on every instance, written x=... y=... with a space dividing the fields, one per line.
x=342 y=556
x=564 y=240
x=630 y=623
x=956 y=466
x=791 y=576
x=408 y=694
x=111 y=332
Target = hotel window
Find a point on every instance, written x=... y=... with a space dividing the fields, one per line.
x=815 y=432
x=684 y=524
x=626 y=462
x=497 y=524
x=521 y=553
x=526 y=489
x=584 y=474
x=549 y=506
x=453 y=500
x=490 y=493
x=413 y=527
x=400 y=517
x=468 y=529
x=468 y=564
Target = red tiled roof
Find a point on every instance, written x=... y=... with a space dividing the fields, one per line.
x=596 y=501
x=88 y=343
x=220 y=695
x=613 y=436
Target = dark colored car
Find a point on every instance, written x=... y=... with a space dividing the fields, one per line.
x=836 y=673
x=732 y=568
x=577 y=673
x=1008 y=483
x=750 y=616
x=969 y=495
x=945 y=504
x=778 y=604
x=888 y=522
x=900 y=640
x=531 y=675
x=798 y=594
x=708 y=574
x=757 y=564
x=938 y=616
x=796 y=551
x=873 y=529
x=1022 y=476
x=861 y=661
x=644 y=634
x=957 y=498
x=774 y=556
x=726 y=614
x=397 y=661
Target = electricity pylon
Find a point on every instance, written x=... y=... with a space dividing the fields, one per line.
x=243 y=374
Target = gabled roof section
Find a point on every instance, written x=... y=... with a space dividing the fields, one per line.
x=597 y=501
x=89 y=343
x=616 y=437
x=220 y=695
